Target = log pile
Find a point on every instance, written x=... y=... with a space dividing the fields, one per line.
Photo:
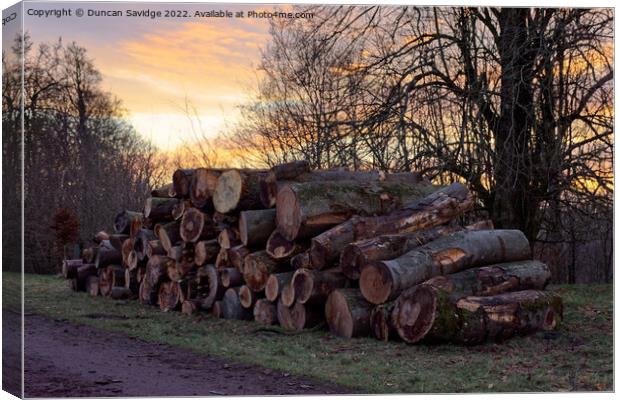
x=365 y=253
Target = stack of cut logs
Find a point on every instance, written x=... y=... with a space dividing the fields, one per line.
x=369 y=253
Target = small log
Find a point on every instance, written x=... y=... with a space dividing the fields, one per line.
x=257 y=268
x=206 y=251
x=247 y=297
x=196 y=226
x=122 y=221
x=222 y=261
x=159 y=209
x=381 y=324
x=301 y=260
x=348 y=313
x=202 y=186
x=142 y=238
x=120 y=293
x=164 y=191
x=107 y=255
x=287 y=295
x=313 y=287
x=298 y=316
x=279 y=247
x=232 y=308
x=386 y=247
x=168 y=234
x=236 y=256
x=255 y=226
x=231 y=277
x=381 y=281
x=190 y=307
x=228 y=238
x=265 y=312
x=238 y=190
x=216 y=288
x=154 y=248
x=92 y=285
x=181 y=181
x=169 y=296
x=275 y=284
x=70 y=267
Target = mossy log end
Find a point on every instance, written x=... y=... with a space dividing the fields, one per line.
x=313 y=287
x=255 y=226
x=348 y=313
x=265 y=312
x=275 y=284
x=381 y=281
x=257 y=268
x=238 y=190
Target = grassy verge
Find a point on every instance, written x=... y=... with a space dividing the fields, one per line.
x=580 y=357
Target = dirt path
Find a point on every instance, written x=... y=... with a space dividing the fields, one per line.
x=65 y=360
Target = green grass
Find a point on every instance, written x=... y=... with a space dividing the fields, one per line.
x=580 y=357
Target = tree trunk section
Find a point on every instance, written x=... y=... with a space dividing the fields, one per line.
x=70 y=267
x=298 y=316
x=348 y=313
x=92 y=285
x=301 y=260
x=143 y=237
x=107 y=255
x=255 y=226
x=265 y=312
x=381 y=324
x=232 y=308
x=206 y=251
x=196 y=225
x=202 y=186
x=228 y=238
x=237 y=255
x=164 y=191
x=181 y=181
x=169 y=297
x=281 y=248
x=275 y=284
x=231 y=277
x=238 y=190
x=216 y=288
x=313 y=287
x=287 y=295
x=168 y=234
x=159 y=209
x=190 y=307
x=248 y=297
x=123 y=220
x=258 y=267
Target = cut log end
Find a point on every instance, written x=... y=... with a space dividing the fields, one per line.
x=265 y=312
x=380 y=323
x=338 y=315
x=302 y=285
x=376 y=283
x=228 y=191
x=280 y=247
x=287 y=295
x=415 y=312
x=288 y=213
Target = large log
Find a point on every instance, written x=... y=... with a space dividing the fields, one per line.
x=248 y=297
x=435 y=209
x=313 y=287
x=159 y=209
x=237 y=255
x=386 y=247
x=107 y=255
x=231 y=277
x=216 y=310
x=148 y=293
x=381 y=324
x=168 y=234
x=216 y=288
x=298 y=316
x=181 y=181
x=257 y=268
x=196 y=225
x=70 y=267
x=381 y=281
x=169 y=296
x=131 y=280
x=126 y=249
x=100 y=237
x=275 y=284
x=238 y=190
x=475 y=319
x=156 y=270
x=206 y=251
x=279 y=247
x=307 y=209
x=222 y=260
x=255 y=226
x=202 y=186
x=422 y=311
x=265 y=312
x=348 y=313
x=89 y=254
x=232 y=308
x=122 y=221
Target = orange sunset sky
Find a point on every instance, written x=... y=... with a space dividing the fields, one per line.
x=157 y=66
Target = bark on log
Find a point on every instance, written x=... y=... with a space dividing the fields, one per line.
x=107 y=255
x=168 y=234
x=82 y=274
x=232 y=308
x=313 y=287
x=255 y=226
x=385 y=247
x=169 y=296
x=159 y=209
x=381 y=324
x=257 y=268
x=202 y=186
x=122 y=221
x=196 y=226
x=181 y=181
x=120 y=293
x=92 y=285
x=132 y=260
x=238 y=190
x=228 y=238
x=307 y=209
x=206 y=251
x=348 y=313
x=476 y=319
x=298 y=316
x=216 y=289
x=275 y=284
x=164 y=191
x=143 y=237
x=237 y=255
x=231 y=277
x=70 y=267
x=248 y=297
x=281 y=248
x=381 y=281
x=265 y=312
x=190 y=307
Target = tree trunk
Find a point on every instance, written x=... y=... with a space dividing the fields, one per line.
x=313 y=287
x=100 y=237
x=181 y=181
x=83 y=273
x=107 y=278
x=307 y=209
x=123 y=220
x=275 y=284
x=248 y=297
x=148 y=293
x=169 y=297
x=280 y=248
x=217 y=309
x=237 y=255
x=231 y=277
x=70 y=267
x=196 y=225
x=258 y=267
x=298 y=316
x=255 y=226
x=168 y=234
x=381 y=324
x=126 y=249
x=385 y=247
x=265 y=312
x=202 y=186
x=238 y=190
x=205 y=252
x=156 y=270
x=381 y=281
x=159 y=209
x=348 y=313
x=232 y=308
